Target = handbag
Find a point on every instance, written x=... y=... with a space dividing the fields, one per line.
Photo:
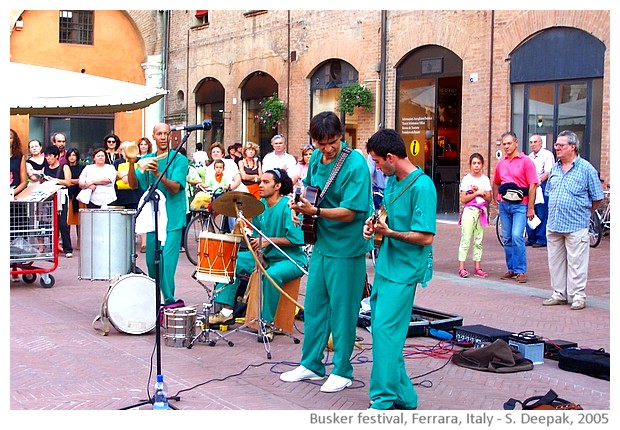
x=84 y=195
x=549 y=401
x=511 y=193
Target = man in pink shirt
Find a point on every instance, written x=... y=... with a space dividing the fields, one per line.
x=515 y=171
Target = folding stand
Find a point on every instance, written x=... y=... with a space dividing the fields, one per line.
x=204 y=335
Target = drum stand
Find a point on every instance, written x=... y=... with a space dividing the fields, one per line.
x=262 y=325
x=204 y=335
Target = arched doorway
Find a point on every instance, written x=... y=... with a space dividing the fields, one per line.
x=428 y=117
x=563 y=92
x=255 y=88
x=210 y=105
x=325 y=84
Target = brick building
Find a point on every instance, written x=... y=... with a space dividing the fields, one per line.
x=449 y=81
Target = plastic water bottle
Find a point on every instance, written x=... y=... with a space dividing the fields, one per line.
x=161 y=395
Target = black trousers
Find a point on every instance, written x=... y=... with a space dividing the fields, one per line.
x=63 y=229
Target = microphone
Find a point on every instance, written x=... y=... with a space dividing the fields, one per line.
x=206 y=125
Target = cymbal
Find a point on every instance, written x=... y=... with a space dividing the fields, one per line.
x=228 y=203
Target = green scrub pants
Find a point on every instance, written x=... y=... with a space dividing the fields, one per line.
x=391 y=305
x=167 y=264
x=333 y=294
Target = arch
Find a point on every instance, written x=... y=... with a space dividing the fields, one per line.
x=523 y=26
x=558 y=53
x=333 y=73
x=254 y=88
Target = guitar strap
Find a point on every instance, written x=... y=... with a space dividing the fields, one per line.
x=343 y=156
x=415 y=178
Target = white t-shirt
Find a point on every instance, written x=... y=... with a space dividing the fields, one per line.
x=483 y=183
x=102 y=194
x=200 y=159
x=285 y=161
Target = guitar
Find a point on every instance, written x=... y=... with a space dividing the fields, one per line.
x=380 y=214
x=308 y=224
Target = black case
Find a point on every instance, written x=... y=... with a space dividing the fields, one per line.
x=591 y=362
x=422 y=320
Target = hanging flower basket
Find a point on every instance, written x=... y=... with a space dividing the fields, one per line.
x=353 y=96
x=271 y=112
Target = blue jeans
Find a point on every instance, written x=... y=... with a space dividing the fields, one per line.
x=514 y=217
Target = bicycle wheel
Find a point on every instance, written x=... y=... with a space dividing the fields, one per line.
x=196 y=226
x=498 y=230
x=595 y=230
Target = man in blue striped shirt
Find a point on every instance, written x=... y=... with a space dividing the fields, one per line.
x=574 y=191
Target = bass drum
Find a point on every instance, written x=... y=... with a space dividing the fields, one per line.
x=130 y=304
x=107 y=243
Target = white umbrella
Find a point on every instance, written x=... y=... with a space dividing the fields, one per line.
x=44 y=90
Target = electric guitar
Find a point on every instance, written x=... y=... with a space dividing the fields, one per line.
x=380 y=214
x=308 y=224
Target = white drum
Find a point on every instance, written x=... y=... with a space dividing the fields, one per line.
x=107 y=242
x=130 y=304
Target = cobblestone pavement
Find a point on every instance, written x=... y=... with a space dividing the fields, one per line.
x=58 y=361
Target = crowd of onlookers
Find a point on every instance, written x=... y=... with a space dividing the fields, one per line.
x=99 y=180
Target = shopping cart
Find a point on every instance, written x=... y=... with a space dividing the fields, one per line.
x=34 y=240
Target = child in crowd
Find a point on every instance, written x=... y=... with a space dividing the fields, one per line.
x=475 y=193
x=218 y=180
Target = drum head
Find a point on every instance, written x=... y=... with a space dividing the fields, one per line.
x=131 y=304
x=221 y=237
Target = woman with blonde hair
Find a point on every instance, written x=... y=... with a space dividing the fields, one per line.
x=302 y=163
x=250 y=168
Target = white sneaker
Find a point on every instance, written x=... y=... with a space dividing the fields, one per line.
x=299 y=374
x=335 y=383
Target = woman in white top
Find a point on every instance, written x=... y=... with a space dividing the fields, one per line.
x=100 y=178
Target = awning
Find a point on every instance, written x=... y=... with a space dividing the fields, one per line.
x=38 y=90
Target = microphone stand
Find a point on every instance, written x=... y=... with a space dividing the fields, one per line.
x=153 y=197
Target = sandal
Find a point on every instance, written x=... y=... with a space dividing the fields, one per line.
x=463 y=273
x=480 y=273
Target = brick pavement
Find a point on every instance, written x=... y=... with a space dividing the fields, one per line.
x=58 y=361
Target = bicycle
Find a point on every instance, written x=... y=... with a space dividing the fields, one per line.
x=203 y=220
x=600 y=221
x=498 y=231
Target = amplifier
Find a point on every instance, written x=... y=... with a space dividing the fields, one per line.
x=480 y=334
x=529 y=345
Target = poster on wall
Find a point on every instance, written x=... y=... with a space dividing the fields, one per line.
x=448 y=107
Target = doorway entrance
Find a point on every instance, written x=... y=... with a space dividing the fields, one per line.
x=429 y=118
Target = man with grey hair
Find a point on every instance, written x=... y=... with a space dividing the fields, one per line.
x=574 y=192
x=280 y=159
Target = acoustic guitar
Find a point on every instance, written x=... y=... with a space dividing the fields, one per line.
x=380 y=214
x=308 y=224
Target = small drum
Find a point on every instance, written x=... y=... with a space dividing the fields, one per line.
x=217 y=257
x=107 y=242
x=130 y=303
x=180 y=324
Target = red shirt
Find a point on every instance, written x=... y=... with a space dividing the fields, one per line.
x=519 y=169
